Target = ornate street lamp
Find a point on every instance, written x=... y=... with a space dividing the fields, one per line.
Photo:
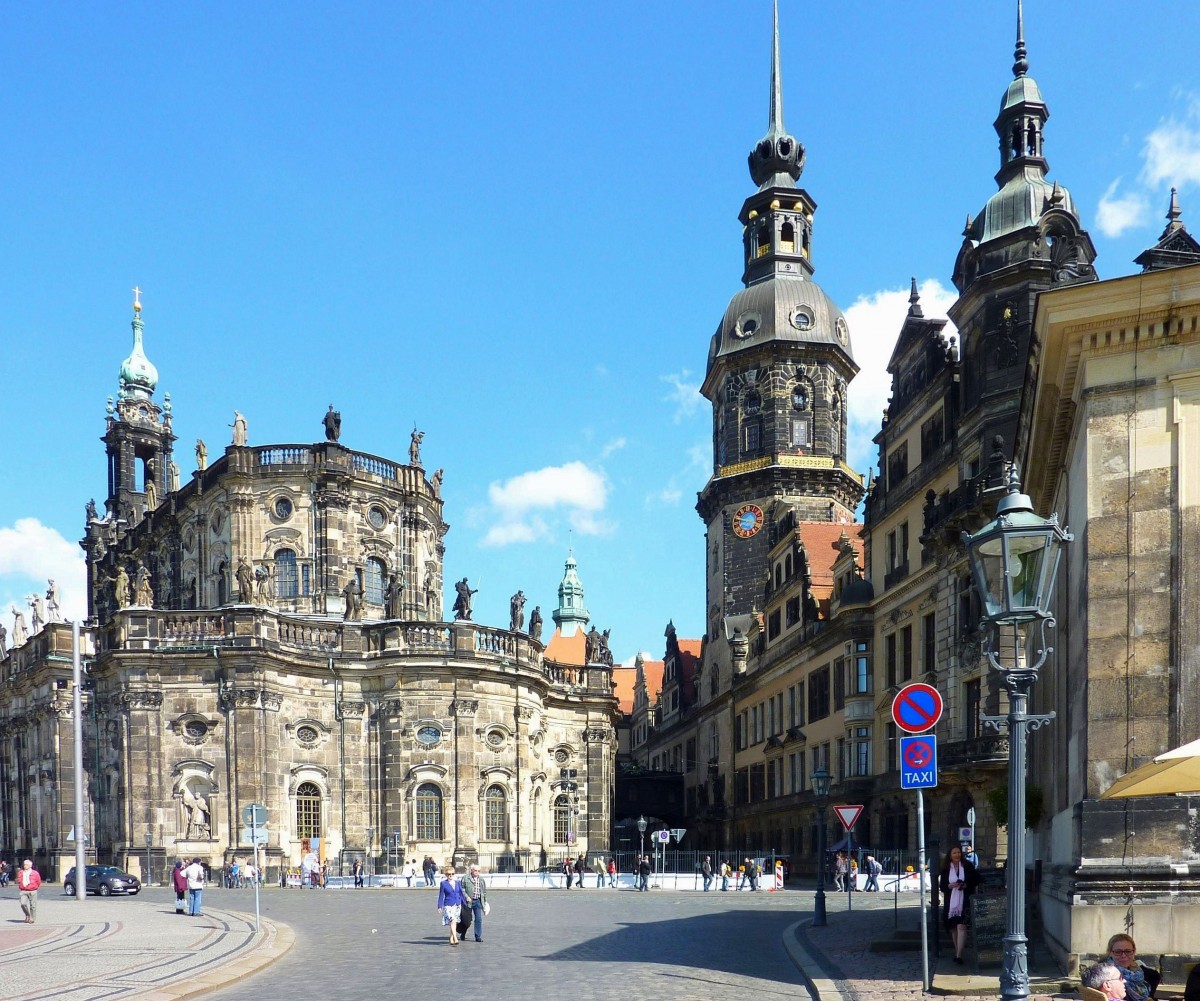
x=641 y=826
x=1014 y=562
x=820 y=784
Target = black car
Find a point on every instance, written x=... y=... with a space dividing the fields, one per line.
x=104 y=879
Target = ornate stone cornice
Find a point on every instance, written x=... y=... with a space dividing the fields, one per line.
x=464 y=707
x=140 y=700
x=597 y=735
x=391 y=707
x=353 y=707
x=271 y=701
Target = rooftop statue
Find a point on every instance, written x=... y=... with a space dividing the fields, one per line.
x=239 y=428
x=535 y=624
x=462 y=603
x=414 y=448
x=201 y=454
x=333 y=424
x=516 y=608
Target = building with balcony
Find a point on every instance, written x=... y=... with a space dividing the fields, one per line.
x=272 y=631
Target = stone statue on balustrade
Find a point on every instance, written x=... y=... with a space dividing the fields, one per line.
x=245 y=579
x=591 y=646
x=353 y=597
x=20 y=634
x=201 y=455
x=462 y=601
x=535 y=624
x=604 y=655
x=173 y=477
x=151 y=496
x=3 y=642
x=240 y=435
x=53 y=608
x=266 y=585
x=436 y=482
x=143 y=593
x=38 y=618
x=516 y=612
x=122 y=590
x=333 y=424
x=90 y=511
x=429 y=586
x=414 y=448
x=393 y=597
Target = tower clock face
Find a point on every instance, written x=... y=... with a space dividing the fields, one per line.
x=747 y=520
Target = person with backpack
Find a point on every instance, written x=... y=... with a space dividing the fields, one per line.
x=873 y=871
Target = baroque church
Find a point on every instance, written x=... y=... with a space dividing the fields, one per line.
x=815 y=621
x=270 y=630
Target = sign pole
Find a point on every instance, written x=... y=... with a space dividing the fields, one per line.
x=921 y=883
x=257 y=871
x=850 y=877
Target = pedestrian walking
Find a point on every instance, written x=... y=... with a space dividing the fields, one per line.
x=194 y=874
x=726 y=872
x=429 y=869
x=600 y=871
x=409 y=871
x=474 y=889
x=568 y=871
x=179 y=882
x=580 y=869
x=644 y=874
x=612 y=872
x=28 y=881
x=450 y=901
x=4 y=874
x=357 y=870
x=706 y=870
x=873 y=871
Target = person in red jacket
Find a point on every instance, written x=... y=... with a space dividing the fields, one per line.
x=28 y=881
x=179 y=882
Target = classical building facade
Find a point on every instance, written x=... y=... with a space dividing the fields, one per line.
x=271 y=631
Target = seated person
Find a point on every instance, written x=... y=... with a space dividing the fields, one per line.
x=1103 y=981
x=1141 y=981
x=1191 y=990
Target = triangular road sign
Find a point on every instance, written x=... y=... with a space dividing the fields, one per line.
x=848 y=815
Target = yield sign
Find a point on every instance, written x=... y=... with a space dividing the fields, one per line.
x=848 y=815
x=917 y=707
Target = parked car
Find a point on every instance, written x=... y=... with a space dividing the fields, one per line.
x=104 y=879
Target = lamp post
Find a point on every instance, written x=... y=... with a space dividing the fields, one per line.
x=1014 y=563
x=641 y=826
x=820 y=783
x=149 y=842
x=367 y=860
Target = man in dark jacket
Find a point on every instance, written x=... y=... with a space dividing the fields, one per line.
x=644 y=873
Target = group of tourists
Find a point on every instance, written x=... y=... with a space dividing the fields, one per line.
x=574 y=869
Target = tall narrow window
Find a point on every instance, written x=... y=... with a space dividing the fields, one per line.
x=373 y=575
x=495 y=814
x=286 y=581
x=787 y=238
x=222 y=585
x=308 y=811
x=429 y=812
x=562 y=820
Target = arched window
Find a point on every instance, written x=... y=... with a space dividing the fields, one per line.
x=373 y=577
x=562 y=819
x=287 y=583
x=495 y=814
x=308 y=811
x=787 y=238
x=539 y=822
x=429 y=812
x=222 y=586
x=752 y=404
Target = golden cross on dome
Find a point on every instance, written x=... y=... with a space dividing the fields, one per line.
x=137 y=299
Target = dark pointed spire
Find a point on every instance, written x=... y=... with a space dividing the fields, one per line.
x=1174 y=212
x=1020 y=63
x=777 y=160
x=914 y=300
x=775 y=126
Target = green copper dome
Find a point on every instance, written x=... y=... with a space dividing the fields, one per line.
x=138 y=377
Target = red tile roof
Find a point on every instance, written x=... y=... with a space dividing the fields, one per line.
x=821 y=541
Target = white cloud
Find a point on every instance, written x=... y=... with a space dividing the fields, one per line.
x=875 y=321
x=613 y=446
x=684 y=393
x=31 y=554
x=522 y=504
x=1116 y=214
x=1172 y=150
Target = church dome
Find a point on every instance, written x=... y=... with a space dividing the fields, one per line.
x=138 y=376
x=782 y=309
x=1022 y=200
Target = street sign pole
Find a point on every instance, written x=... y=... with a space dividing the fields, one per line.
x=850 y=877
x=257 y=871
x=921 y=884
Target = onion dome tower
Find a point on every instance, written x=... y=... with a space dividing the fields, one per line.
x=571 y=615
x=138 y=436
x=778 y=367
x=1027 y=239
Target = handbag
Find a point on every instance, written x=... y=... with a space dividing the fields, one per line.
x=487 y=908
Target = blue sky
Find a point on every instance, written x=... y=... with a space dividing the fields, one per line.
x=514 y=225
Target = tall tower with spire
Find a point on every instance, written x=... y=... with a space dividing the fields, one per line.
x=137 y=436
x=778 y=367
x=1028 y=238
x=571 y=615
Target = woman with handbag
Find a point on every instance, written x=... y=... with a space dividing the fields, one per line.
x=957 y=881
x=450 y=901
